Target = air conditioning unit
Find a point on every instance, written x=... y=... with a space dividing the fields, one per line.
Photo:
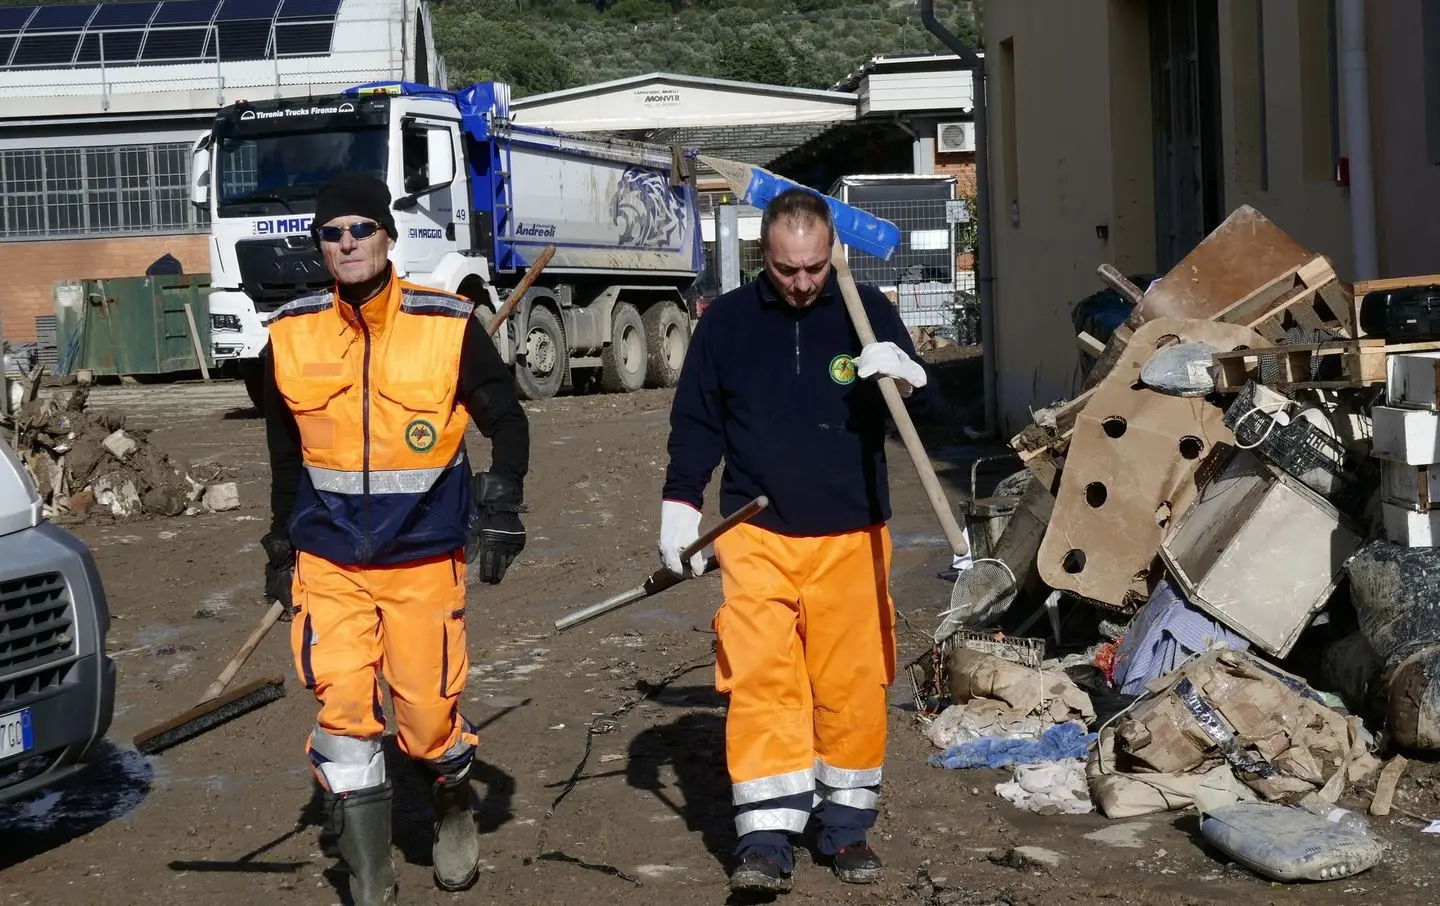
x=954 y=137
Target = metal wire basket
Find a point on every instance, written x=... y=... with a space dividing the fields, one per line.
x=927 y=672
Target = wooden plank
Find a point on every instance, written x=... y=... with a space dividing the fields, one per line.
x=1391 y=283
x=1385 y=785
x=1089 y=344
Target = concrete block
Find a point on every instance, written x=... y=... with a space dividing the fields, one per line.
x=220 y=498
x=119 y=444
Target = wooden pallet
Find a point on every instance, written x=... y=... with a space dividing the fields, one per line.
x=1363 y=363
x=1311 y=295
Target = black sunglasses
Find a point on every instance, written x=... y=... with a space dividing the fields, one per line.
x=358 y=230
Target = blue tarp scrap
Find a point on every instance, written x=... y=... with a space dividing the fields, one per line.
x=1062 y=741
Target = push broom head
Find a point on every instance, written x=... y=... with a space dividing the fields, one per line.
x=211 y=714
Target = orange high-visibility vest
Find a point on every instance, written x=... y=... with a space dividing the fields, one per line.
x=382 y=435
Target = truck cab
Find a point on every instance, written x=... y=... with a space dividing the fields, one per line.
x=476 y=199
x=57 y=686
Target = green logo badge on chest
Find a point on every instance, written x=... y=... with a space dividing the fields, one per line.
x=420 y=436
x=842 y=370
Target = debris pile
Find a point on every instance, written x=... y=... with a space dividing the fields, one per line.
x=1232 y=530
x=85 y=463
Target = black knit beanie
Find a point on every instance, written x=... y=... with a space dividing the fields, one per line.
x=357 y=195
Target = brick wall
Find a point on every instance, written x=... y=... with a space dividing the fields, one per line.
x=962 y=167
x=30 y=270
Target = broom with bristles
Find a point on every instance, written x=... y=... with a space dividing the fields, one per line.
x=214 y=707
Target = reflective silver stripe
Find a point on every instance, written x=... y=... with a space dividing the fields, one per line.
x=866 y=799
x=777 y=819
x=412 y=301
x=348 y=763
x=394 y=481
x=844 y=778
x=802 y=781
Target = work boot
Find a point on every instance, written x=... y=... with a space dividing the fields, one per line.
x=456 y=849
x=759 y=873
x=362 y=820
x=858 y=864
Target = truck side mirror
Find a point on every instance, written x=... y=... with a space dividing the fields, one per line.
x=200 y=172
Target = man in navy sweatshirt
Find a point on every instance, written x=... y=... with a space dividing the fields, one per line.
x=777 y=385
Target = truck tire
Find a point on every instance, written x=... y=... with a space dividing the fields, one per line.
x=253 y=375
x=623 y=363
x=667 y=338
x=546 y=356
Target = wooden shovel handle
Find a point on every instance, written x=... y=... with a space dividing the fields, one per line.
x=521 y=289
x=238 y=661
x=933 y=491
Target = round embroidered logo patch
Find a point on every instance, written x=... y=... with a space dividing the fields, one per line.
x=420 y=436
x=842 y=369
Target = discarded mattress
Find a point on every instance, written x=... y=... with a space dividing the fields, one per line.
x=1288 y=844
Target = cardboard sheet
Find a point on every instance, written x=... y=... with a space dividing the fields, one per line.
x=1130 y=471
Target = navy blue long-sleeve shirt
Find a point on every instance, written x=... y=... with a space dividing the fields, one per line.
x=772 y=390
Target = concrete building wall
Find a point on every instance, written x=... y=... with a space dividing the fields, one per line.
x=1049 y=81
x=1407 y=160
x=33 y=269
x=1072 y=152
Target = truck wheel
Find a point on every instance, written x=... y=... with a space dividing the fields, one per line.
x=622 y=364
x=545 y=356
x=252 y=374
x=667 y=337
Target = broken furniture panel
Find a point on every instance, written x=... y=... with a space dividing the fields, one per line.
x=1260 y=552
x=1411 y=436
x=1415 y=488
x=1244 y=271
x=1129 y=469
x=1413 y=380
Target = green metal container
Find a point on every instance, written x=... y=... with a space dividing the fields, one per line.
x=132 y=325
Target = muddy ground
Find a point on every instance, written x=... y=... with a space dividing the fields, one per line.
x=232 y=817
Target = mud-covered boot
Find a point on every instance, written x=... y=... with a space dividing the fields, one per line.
x=361 y=819
x=456 y=849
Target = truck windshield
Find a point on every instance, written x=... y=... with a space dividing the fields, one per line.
x=282 y=172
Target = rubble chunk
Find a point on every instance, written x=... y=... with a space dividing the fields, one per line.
x=220 y=498
x=120 y=445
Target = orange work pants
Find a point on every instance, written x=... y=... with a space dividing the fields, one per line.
x=405 y=622
x=806 y=651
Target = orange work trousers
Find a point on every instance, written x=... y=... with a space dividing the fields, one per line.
x=806 y=651
x=405 y=622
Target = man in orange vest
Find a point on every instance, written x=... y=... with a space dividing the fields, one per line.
x=375 y=516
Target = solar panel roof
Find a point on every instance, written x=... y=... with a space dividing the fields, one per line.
x=169 y=31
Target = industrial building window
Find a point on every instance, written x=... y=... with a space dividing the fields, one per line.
x=90 y=192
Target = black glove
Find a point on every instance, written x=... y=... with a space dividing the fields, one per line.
x=279 y=572
x=497 y=537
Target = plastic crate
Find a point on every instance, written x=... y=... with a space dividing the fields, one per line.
x=1299 y=447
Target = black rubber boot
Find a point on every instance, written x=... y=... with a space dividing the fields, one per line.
x=456 y=848
x=361 y=818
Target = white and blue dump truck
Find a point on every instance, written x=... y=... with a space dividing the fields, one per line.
x=477 y=197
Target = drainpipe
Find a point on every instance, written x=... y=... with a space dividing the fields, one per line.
x=984 y=279
x=1355 y=70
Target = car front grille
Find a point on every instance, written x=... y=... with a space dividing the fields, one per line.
x=37 y=622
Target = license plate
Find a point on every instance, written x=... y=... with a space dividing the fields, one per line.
x=16 y=734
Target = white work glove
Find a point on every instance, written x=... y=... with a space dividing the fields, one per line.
x=680 y=528
x=888 y=359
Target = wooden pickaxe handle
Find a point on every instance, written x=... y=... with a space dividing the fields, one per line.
x=521 y=289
